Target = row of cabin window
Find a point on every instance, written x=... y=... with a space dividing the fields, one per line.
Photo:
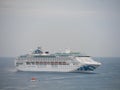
x=45 y=58
x=46 y=63
x=18 y=63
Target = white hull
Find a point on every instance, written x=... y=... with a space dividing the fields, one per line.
x=49 y=68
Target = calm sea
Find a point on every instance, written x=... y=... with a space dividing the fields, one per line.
x=106 y=77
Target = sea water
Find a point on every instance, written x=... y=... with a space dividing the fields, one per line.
x=105 y=77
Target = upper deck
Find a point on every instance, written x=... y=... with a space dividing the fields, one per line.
x=38 y=53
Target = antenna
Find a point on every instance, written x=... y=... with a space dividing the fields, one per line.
x=39 y=47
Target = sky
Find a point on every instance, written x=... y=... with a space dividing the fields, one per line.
x=89 y=26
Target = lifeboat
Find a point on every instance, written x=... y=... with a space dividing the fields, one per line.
x=33 y=79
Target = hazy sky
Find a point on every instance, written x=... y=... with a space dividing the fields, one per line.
x=89 y=26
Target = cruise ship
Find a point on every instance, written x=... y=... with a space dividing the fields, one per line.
x=43 y=61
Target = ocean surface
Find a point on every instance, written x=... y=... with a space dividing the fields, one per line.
x=106 y=77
